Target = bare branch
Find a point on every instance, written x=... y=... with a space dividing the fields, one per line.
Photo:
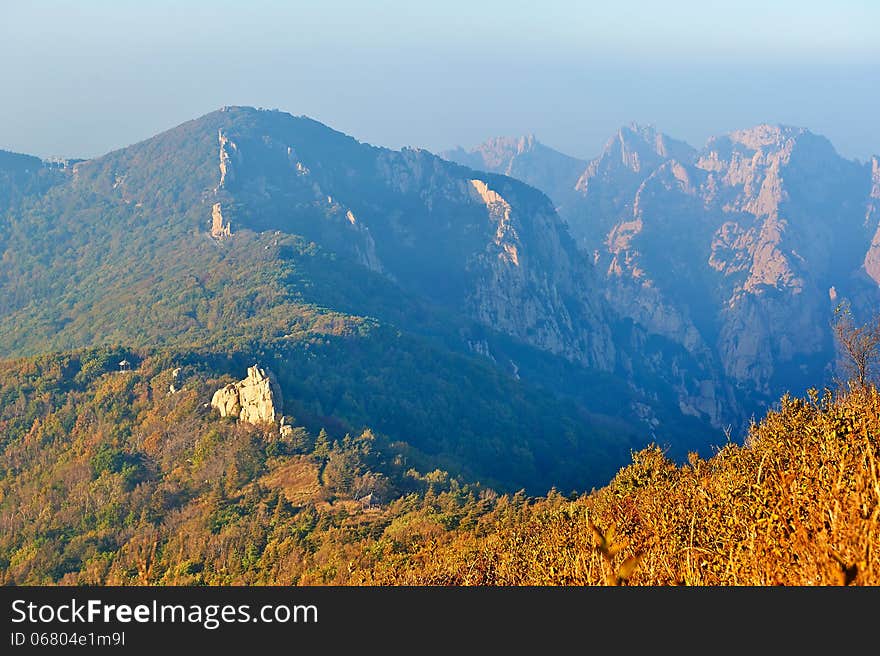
x=860 y=344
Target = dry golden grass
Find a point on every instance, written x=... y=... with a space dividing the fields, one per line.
x=297 y=479
x=798 y=504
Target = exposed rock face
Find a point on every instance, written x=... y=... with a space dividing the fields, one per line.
x=226 y=401
x=737 y=253
x=228 y=149
x=534 y=286
x=219 y=227
x=484 y=243
x=175 y=381
x=259 y=397
x=526 y=159
x=872 y=221
x=731 y=251
x=499 y=209
x=256 y=399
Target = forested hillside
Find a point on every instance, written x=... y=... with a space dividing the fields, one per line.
x=385 y=289
x=113 y=478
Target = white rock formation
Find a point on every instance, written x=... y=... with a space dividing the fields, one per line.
x=256 y=399
x=220 y=228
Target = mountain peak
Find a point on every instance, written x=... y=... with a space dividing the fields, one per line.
x=765 y=134
x=495 y=153
x=647 y=131
x=518 y=145
x=526 y=158
x=634 y=149
x=773 y=138
x=646 y=143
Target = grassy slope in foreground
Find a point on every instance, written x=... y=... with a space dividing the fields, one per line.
x=797 y=505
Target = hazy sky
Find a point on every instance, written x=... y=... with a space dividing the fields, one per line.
x=82 y=77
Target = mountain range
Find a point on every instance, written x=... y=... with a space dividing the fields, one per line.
x=739 y=252
x=512 y=314
x=383 y=289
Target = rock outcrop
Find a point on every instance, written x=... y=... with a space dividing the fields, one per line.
x=532 y=283
x=220 y=228
x=255 y=400
x=228 y=149
x=226 y=401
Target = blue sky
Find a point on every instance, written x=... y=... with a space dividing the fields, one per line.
x=81 y=78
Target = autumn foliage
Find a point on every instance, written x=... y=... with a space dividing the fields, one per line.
x=798 y=504
x=111 y=478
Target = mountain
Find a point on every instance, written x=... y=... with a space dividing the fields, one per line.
x=739 y=252
x=526 y=159
x=490 y=247
x=611 y=180
x=446 y=308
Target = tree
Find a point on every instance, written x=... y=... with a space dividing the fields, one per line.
x=322 y=445
x=860 y=344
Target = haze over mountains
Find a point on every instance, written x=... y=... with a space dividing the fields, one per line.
x=739 y=252
x=394 y=290
x=252 y=349
x=663 y=293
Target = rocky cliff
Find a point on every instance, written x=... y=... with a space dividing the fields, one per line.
x=255 y=400
x=465 y=240
x=738 y=252
x=526 y=159
x=872 y=221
